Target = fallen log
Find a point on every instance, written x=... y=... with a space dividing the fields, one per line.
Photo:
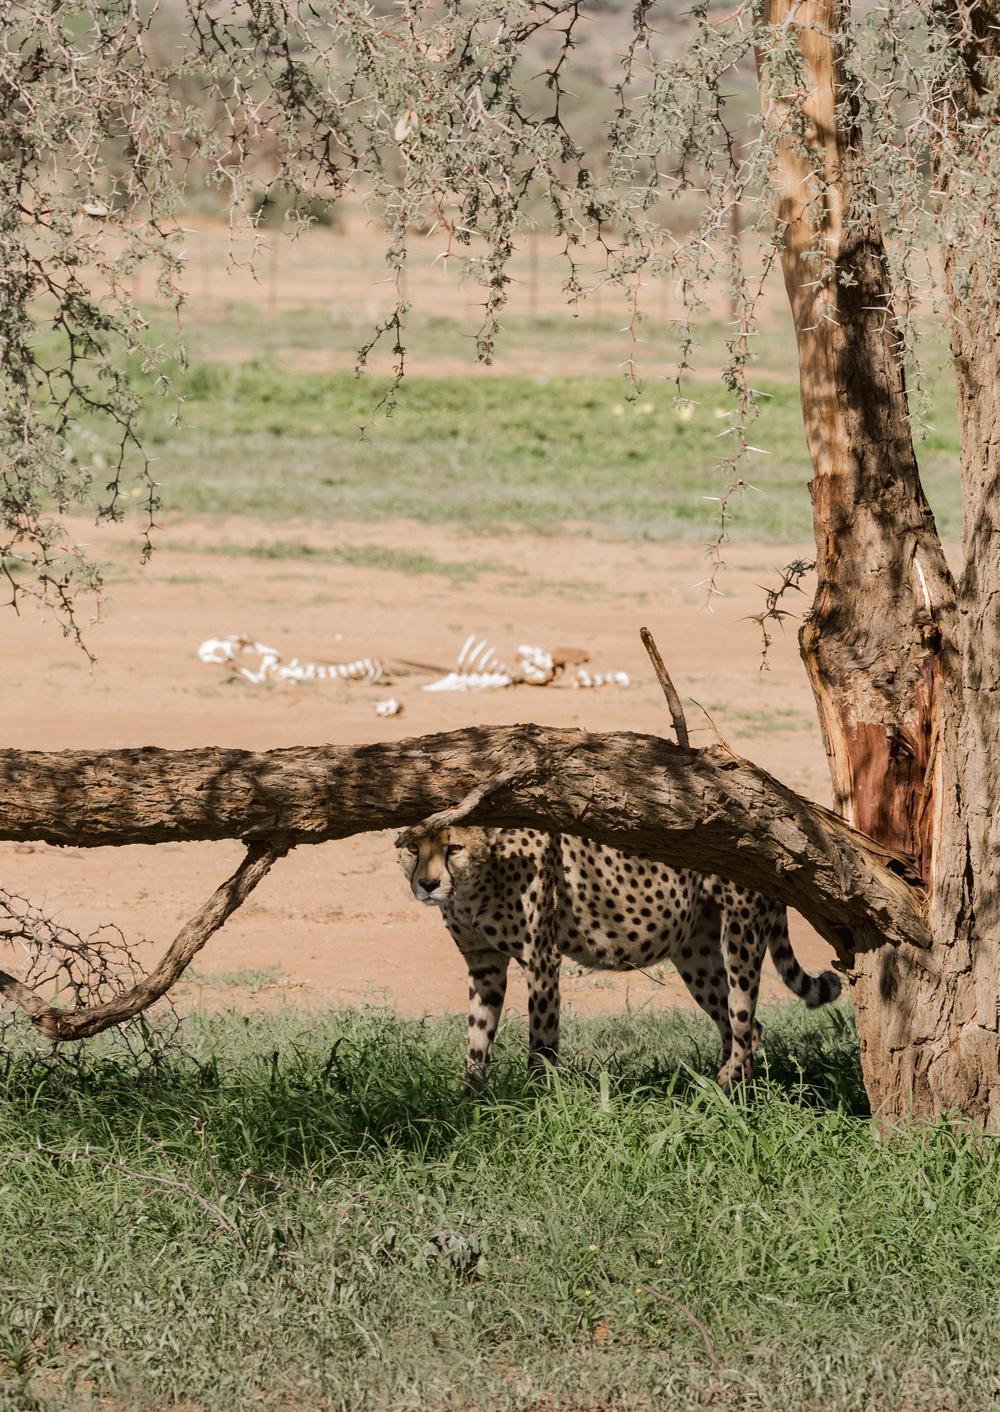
x=705 y=809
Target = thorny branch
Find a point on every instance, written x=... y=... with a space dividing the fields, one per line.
x=439 y=117
x=78 y=971
x=772 y=612
x=92 y=1013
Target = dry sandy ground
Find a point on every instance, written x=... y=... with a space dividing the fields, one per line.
x=335 y=923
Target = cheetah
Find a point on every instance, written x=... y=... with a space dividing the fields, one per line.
x=538 y=897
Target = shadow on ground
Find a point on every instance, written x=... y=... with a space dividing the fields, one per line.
x=283 y=1092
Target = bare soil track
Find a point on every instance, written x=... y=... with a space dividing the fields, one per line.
x=335 y=923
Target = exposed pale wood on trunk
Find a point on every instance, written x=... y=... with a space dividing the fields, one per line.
x=940 y=1038
x=884 y=597
x=706 y=809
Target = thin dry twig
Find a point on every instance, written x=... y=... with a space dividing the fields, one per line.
x=669 y=690
x=692 y=1319
x=447 y=818
x=713 y=725
x=152 y=1180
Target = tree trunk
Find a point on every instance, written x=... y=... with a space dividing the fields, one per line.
x=946 y=1035
x=905 y=679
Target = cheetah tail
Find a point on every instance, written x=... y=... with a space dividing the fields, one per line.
x=814 y=990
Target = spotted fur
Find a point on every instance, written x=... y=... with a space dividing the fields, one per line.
x=538 y=897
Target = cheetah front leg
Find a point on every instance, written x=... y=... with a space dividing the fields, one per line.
x=487 y=988
x=743 y=943
x=543 y=1011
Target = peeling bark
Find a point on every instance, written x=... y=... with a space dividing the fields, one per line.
x=943 y=1036
x=881 y=616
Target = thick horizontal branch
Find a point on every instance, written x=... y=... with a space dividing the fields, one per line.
x=707 y=809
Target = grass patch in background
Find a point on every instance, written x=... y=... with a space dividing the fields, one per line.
x=494 y=451
x=252 y=978
x=295 y=1212
x=365 y=556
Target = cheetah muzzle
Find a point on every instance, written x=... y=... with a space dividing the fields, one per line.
x=538 y=897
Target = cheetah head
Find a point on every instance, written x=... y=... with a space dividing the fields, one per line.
x=442 y=862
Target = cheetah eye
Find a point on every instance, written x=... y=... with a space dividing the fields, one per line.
x=412 y=848
x=456 y=847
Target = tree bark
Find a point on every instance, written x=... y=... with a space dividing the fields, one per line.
x=905 y=677
x=874 y=639
x=702 y=809
x=947 y=1028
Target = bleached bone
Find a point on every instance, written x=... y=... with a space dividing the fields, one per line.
x=479 y=668
x=480 y=657
x=470 y=681
x=585 y=678
x=535 y=665
x=270 y=667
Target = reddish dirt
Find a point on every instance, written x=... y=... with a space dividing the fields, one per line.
x=336 y=923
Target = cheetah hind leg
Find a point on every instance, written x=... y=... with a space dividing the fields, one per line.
x=543 y=1012
x=701 y=967
x=487 y=988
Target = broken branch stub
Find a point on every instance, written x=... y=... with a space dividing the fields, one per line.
x=674 y=705
x=57 y=1024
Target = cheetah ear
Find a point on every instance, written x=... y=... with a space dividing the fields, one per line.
x=492 y=835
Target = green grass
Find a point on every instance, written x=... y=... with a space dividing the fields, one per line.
x=252 y=978
x=769 y=721
x=493 y=452
x=400 y=561
x=297 y=1213
x=365 y=556
x=229 y=332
